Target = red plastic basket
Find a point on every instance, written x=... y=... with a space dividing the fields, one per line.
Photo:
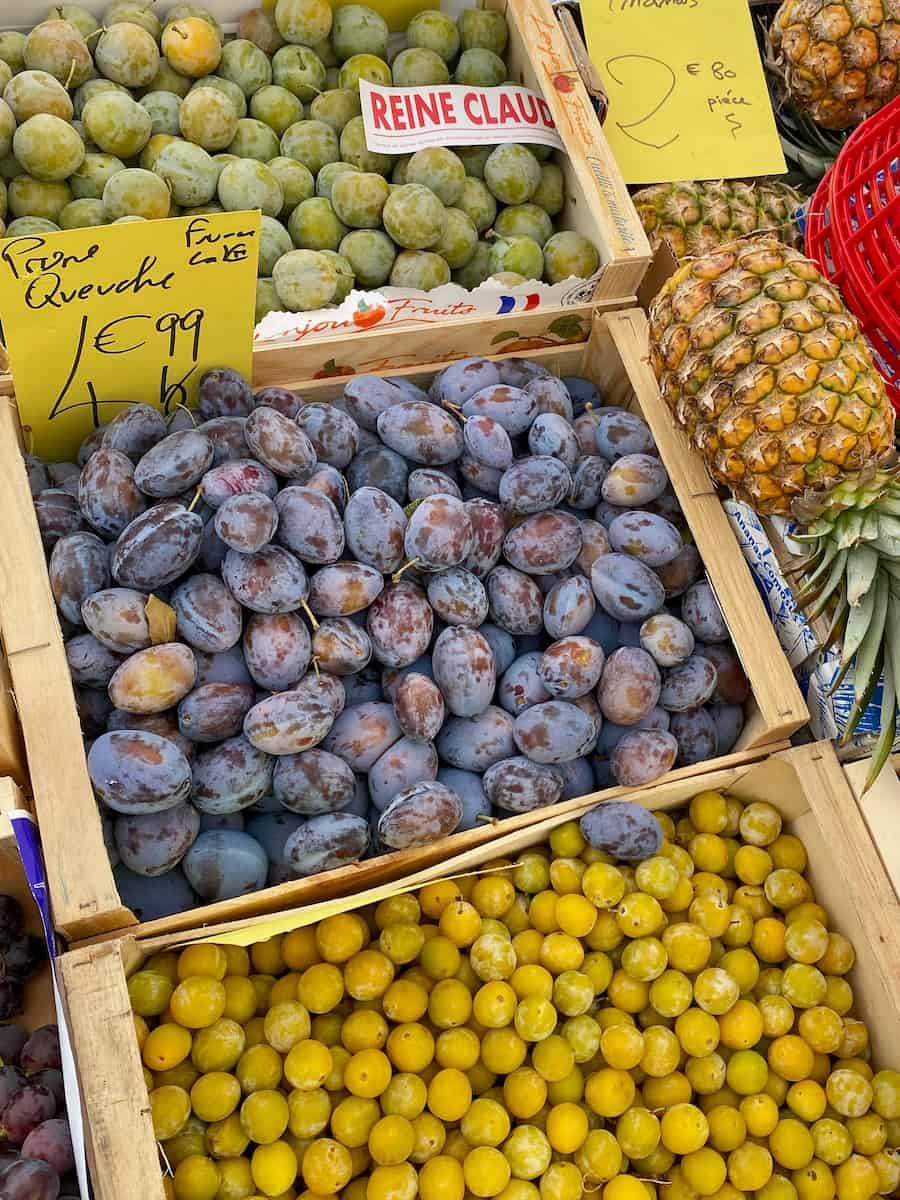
x=853 y=232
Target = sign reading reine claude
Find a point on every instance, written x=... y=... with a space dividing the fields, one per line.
x=403 y=120
x=95 y=319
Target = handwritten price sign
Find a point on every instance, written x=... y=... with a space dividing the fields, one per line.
x=95 y=319
x=688 y=98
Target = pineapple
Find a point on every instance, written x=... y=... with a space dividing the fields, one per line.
x=694 y=218
x=838 y=58
x=766 y=370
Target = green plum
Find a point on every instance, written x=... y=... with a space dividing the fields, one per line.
x=301 y=71
x=228 y=88
x=524 y=220
x=136 y=193
x=305 y=280
x=189 y=172
x=371 y=255
x=521 y=255
x=365 y=66
x=248 y=184
x=208 y=118
x=419 y=269
x=163 y=108
x=477 y=269
x=312 y=143
x=277 y=108
x=417 y=67
x=48 y=148
x=414 y=217
x=32 y=92
x=266 y=299
x=336 y=107
x=483 y=29
x=359 y=30
x=29 y=197
x=254 y=139
x=297 y=183
x=314 y=225
x=359 y=199
x=57 y=47
x=459 y=239
x=569 y=254
x=440 y=170
x=512 y=173
x=274 y=241
x=81 y=214
x=434 y=31
x=246 y=65
x=478 y=204
x=354 y=149
x=480 y=68
x=305 y=22
x=127 y=54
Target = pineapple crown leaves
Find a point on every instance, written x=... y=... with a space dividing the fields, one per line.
x=854 y=569
x=818 y=510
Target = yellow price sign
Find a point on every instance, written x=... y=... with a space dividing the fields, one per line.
x=96 y=319
x=687 y=93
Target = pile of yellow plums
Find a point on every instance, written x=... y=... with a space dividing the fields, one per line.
x=555 y=1025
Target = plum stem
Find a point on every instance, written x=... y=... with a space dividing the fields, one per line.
x=309 y=613
x=185 y=409
x=397 y=575
x=193 y=503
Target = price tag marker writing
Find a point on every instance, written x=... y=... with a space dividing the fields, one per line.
x=688 y=97
x=95 y=319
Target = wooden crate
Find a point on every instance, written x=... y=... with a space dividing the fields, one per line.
x=86 y=904
x=880 y=807
x=807 y=785
x=12 y=748
x=598 y=205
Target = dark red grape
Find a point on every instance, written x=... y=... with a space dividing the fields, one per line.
x=12 y=1080
x=12 y=921
x=52 y=1080
x=27 y=1109
x=12 y=1039
x=41 y=1051
x=12 y=999
x=23 y=957
x=51 y=1142
x=30 y=1180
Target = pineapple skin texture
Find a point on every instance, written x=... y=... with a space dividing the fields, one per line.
x=841 y=58
x=695 y=218
x=765 y=369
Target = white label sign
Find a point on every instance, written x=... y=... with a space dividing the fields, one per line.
x=404 y=120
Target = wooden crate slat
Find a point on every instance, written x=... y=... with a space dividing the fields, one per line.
x=780 y=703
x=81 y=884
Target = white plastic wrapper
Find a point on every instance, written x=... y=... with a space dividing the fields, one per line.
x=829 y=713
x=797 y=638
